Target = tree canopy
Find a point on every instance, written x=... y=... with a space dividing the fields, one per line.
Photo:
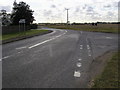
x=22 y=11
x=5 y=17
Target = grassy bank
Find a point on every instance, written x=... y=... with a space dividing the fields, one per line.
x=109 y=77
x=110 y=28
x=21 y=34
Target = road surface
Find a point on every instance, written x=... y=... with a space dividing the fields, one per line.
x=61 y=59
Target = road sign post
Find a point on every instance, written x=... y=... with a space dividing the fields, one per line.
x=22 y=21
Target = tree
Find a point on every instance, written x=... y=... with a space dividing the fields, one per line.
x=5 y=18
x=22 y=11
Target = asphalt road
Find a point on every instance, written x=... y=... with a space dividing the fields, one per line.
x=61 y=59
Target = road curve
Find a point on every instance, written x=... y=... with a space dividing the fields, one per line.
x=61 y=59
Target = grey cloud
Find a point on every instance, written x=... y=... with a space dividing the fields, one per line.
x=107 y=6
x=95 y=17
x=110 y=13
x=53 y=6
x=116 y=4
x=77 y=9
x=58 y=15
x=7 y=8
x=85 y=6
x=92 y=13
x=90 y=9
x=47 y=12
x=112 y=5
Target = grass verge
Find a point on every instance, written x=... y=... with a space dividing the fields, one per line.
x=109 y=77
x=22 y=34
x=108 y=28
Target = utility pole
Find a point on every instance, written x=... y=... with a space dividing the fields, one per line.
x=67 y=15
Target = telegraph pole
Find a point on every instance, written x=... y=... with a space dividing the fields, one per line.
x=67 y=16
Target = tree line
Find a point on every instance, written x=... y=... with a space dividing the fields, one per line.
x=20 y=11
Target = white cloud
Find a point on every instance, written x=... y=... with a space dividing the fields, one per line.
x=7 y=8
x=80 y=10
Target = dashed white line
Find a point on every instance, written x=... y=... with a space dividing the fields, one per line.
x=89 y=54
x=19 y=52
x=77 y=74
x=109 y=37
x=88 y=47
x=21 y=47
x=4 y=58
x=79 y=59
x=79 y=64
x=81 y=46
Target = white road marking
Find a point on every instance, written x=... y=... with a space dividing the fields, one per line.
x=45 y=41
x=88 y=47
x=79 y=59
x=40 y=43
x=109 y=37
x=4 y=58
x=19 y=52
x=53 y=32
x=21 y=47
x=81 y=46
x=89 y=54
x=77 y=74
x=79 y=64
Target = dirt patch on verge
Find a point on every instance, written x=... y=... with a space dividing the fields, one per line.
x=98 y=65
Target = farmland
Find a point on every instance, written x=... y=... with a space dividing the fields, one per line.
x=109 y=28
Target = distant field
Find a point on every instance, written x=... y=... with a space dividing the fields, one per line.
x=110 y=28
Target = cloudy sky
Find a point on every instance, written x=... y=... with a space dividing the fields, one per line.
x=46 y=11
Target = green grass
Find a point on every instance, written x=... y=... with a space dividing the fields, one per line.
x=21 y=34
x=109 y=77
x=110 y=28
